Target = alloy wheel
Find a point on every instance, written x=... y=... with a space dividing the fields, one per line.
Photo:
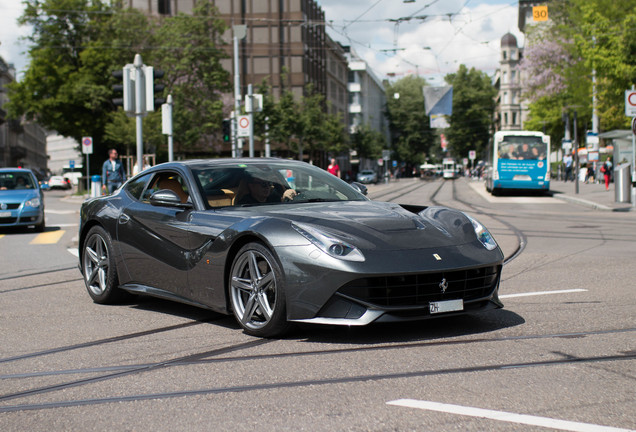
x=253 y=288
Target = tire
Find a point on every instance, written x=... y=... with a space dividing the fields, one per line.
x=257 y=292
x=100 y=274
x=41 y=226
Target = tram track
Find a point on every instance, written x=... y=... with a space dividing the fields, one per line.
x=563 y=360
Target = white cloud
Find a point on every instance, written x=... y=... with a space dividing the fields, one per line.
x=12 y=49
x=448 y=33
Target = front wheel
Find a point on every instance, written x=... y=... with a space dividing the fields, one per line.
x=257 y=292
x=100 y=274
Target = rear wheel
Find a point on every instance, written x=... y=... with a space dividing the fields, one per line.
x=257 y=292
x=100 y=274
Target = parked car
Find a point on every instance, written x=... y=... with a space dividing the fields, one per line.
x=234 y=236
x=59 y=182
x=21 y=199
x=367 y=176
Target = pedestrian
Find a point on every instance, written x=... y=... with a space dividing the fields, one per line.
x=567 y=161
x=606 y=169
x=146 y=165
x=113 y=174
x=590 y=173
x=334 y=168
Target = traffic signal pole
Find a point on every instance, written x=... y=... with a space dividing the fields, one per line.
x=140 y=110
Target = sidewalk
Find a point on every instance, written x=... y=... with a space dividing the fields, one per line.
x=590 y=195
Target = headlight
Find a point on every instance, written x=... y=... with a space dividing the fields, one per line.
x=483 y=234
x=329 y=244
x=33 y=202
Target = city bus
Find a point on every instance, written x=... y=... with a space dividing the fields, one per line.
x=448 y=168
x=518 y=160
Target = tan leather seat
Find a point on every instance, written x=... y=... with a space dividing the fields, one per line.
x=174 y=185
x=221 y=200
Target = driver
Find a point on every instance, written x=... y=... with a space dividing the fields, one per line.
x=263 y=191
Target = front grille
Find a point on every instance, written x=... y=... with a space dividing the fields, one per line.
x=8 y=220
x=12 y=206
x=420 y=289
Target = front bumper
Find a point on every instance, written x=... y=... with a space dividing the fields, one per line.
x=21 y=217
x=385 y=288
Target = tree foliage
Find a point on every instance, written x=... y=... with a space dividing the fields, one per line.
x=302 y=125
x=473 y=109
x=411 y=135
x=75 y=46
x=584 y=35
x=368 y=142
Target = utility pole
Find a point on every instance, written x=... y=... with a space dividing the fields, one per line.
x=166 y=125
x=140 y=109
x=240 y=32
x=575 y=145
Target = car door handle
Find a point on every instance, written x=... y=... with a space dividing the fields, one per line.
x=123 y=218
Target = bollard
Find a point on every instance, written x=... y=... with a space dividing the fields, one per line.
x=96 y=186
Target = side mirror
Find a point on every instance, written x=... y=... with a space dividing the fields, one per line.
x=360 y=187
x=167 y=198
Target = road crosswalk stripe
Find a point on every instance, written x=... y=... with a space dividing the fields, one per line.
x=50 y=237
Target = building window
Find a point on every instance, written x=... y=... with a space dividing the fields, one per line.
x=513 y=76
x=505 y=98
x=514 y=118
x=504 y=54
x=163 y=6
x=505 y=118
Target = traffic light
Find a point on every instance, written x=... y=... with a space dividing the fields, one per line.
x=227 y=130
x=150 y=75
x=126 y=88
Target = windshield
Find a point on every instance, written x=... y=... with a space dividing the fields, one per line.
x=15 y=180
x=270 y=182
x=522 y=148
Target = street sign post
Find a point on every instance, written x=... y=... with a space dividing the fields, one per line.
x=244 y=126
x=71 y=164
x=630 y=103
x=87 y=149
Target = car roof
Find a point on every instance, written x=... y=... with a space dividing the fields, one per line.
x=23 y=170
x=221 y=162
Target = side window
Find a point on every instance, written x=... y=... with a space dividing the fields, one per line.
x=167 y=180
x=135 y=188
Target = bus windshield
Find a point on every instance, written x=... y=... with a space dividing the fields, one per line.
x=522 y=148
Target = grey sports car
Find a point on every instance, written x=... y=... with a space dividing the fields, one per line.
x=277 y=241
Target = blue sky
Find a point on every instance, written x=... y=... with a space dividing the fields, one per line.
x=427 y=37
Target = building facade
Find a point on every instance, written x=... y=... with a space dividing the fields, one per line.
x=367 y=98
x=510 y=112
x=286 y=46
x=21 y=143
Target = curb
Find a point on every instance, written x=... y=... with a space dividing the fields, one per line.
x=589 y=204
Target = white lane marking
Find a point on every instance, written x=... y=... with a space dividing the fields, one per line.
x=528 y=294
x=505 y=416
x=66 y=225
x=60 y=212
x=73 y=251
x=480 y=188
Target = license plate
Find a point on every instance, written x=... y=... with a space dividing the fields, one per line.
x=446 y=306
x=5 y=214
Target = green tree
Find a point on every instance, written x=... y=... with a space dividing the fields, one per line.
x=75 y=46
x=411 y=134
x=473 y=108
x=559 y=59
x=303 y=124
x=368 y=142
x=63 y=89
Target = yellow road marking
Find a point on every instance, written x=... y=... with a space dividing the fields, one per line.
x=50 y=237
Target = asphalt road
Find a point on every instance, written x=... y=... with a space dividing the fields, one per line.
x=562 y=352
